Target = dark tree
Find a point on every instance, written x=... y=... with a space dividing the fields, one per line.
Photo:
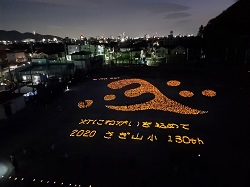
x=201 y=31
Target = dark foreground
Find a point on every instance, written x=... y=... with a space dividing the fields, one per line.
x=46 y=155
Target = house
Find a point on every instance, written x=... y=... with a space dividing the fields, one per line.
x=89 y=48
x=53 y=53
x=73 y=49
x=81 y=59
x=161 y=52
x=179 y=50
x=136 y=55
x=177 y=55
x=42 y=69
x=156 y=55
x=17 y=57
x=3 y=56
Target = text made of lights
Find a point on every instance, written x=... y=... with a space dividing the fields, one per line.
x=159 y=102
x=128 y=135
x=144 y=124
x=136 y=136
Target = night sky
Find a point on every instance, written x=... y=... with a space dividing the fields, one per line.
x=109 y=17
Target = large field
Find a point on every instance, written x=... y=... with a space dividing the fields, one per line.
x=136 y=128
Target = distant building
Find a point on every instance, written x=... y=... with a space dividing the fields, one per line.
x=177 y=55
x=179 y=50
x=3 y=56
x=17 y=57
x=39 y=55
x=81 y=59
x=73 y=49
x=39 y=60
x=161 y=52
x=29 y=40
x=89 y=48
x=156 y=56
x=146 y=36
x=40 y=72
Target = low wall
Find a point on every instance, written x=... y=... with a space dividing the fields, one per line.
x=11 y=107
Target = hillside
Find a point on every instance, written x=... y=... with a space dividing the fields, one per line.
x=231 y=27
x=15 y=35
x=227 y=36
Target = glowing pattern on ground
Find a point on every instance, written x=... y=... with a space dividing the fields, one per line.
x=160 y=102
x=186 y=93
x=209 y=93
x=173 y=83
x=109 y=97
x=85 y=104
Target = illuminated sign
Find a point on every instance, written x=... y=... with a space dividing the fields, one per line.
x=84 y=133
x=143 y=124
x=128 y=135
x=185 y=139
x=159 y=102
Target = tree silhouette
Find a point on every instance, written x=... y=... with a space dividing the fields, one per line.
x=201 y=31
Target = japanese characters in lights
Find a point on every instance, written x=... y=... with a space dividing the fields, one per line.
x=160 y=102
x=129 y=134
x=209 y=93
x=85 y=104
x=185 y=93
x=143 y=124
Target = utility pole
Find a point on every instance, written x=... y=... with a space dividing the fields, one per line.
x=65 y=51
x=1 y=73
x=31 y=79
